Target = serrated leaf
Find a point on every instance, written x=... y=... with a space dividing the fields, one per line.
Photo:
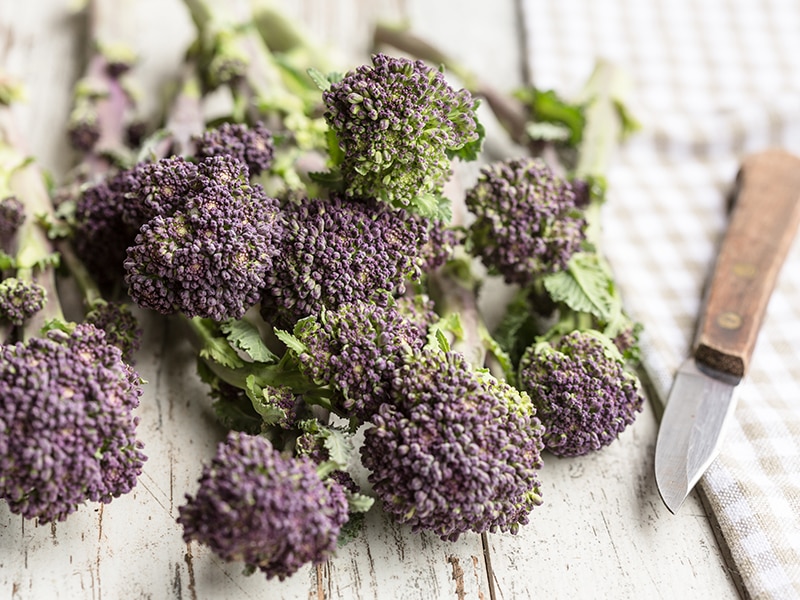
x=358 y=503
x=338 y=445
x=259 y=397
x=215 y=348
x=351 y=529
x=331 y=179
x=291 y=341
x=246 y=337
x=586 y=286
x=234 y=416
x=450 y=324
x=320 y=79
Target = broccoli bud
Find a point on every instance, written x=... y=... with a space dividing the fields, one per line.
x=456 y=450
x=356 y=348
x=336 y=251
x=271 y=511
x=67 y=430
x=20 y=300
x=119 y=324
x=583 y=395
x=253 y=146
x=12 y=214
x=210 y=257
x=527 y=223
x=398 y=122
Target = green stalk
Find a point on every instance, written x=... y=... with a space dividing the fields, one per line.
x=35 y=254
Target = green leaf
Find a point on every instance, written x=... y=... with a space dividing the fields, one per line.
x=586 y=286
x=238 y=417
x=246 y=337
x=320 y=79
x=215 y=347
x=547 y=132
x=338 y=445
x=547 y=106
x=291 y=341
x=259 y=397
x=358 y=503
x=331 y=179
x=351 y=530
x=7 y=261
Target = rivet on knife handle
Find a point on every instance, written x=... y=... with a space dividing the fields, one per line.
x=765 y=217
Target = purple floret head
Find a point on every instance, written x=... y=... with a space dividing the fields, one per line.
x=271 y=511
x=254 y=145
x=356 y=349
x=526 y=220
x=20 y=300
x=67 y=429
x=397 y=122
x=211 y=256
x=119 y=324
x=583 y=394
x=336 y=251
x=12 y=215
x=456 y=451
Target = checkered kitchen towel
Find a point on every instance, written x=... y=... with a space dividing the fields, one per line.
x=713 y=80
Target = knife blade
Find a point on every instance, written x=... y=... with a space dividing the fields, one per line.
x=762 y=224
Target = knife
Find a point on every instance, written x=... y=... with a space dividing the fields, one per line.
x=763 y=221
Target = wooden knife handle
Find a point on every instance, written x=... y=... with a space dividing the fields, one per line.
x=763 y=222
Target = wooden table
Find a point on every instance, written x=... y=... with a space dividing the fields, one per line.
x=602 y=532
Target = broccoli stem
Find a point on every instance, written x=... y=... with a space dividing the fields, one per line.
x=89 y=288
x=35 y=253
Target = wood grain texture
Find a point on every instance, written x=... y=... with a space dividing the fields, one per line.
x=602 y=531
x=763 y=223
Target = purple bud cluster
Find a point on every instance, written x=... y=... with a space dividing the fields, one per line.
x=396 y=120
x=253 y=146
x=67 y=429
x=356 y=349
x=336 y=251
x=120 y=326
x=12 y=214
x=210 y=257
x=582 y=392
x=271 y=511
x=527 y=223
x=20 y=300
x=456 y=450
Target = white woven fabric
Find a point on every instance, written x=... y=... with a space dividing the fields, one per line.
x=713 y=80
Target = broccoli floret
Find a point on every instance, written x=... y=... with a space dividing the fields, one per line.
x=356 y=349
x=336 y=251
x=67 y=429
x=20 y=300
x=583 y=395
x=398 y=123
x=253 y=146
x=211 y=256
x=119 y=324
x=269 y=510
x=456 y=450
x=12 y=215
x=527 y=223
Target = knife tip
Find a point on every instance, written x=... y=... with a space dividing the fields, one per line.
x=673 y=501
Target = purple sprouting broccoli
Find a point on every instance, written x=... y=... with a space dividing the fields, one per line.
x=583 y=394
x=108 y=215
x=254 y=145
x=398 y=124
x=119 y=324
x=269 y=510
x=210 y=257
x=457 y=450
x=356 y=349
x=420 y=309
x=67 y=428
x=526 y=220
x=12 y=214
x=20 y=300
x=336 y=251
